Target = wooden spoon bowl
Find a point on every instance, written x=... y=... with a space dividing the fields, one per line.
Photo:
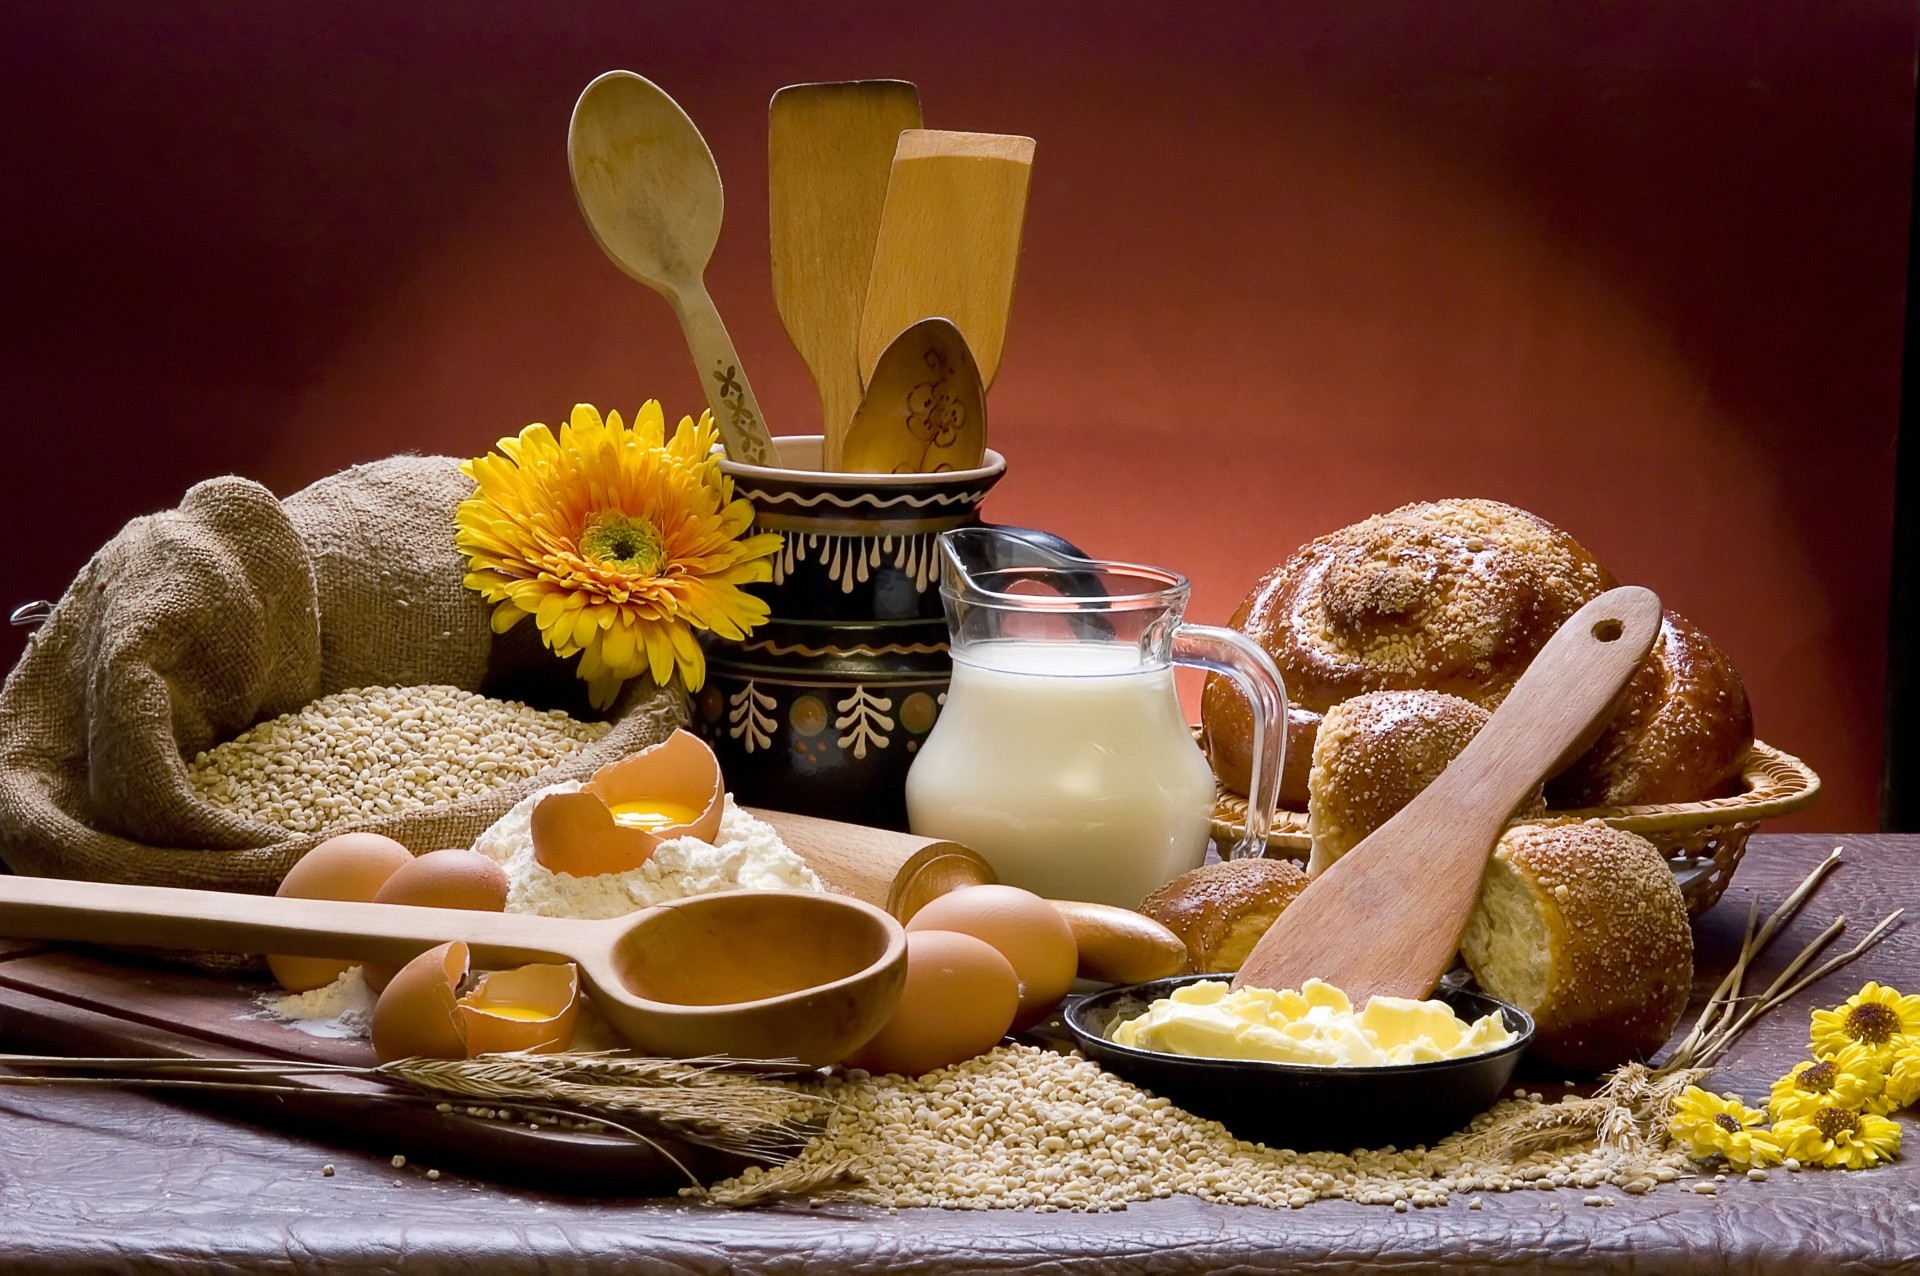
x=752 y=974
x=763 y=974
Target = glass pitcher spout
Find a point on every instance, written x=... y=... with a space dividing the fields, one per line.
x=1019 y=606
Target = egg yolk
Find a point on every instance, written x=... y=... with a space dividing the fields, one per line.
x=653 y=813
x=528 y=1013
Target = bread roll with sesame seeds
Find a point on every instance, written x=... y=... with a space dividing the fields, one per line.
x=1220 y=910
x=1583 y=927
x=1374 y=754
x=1455 y=596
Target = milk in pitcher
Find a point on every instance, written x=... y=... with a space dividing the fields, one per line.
x=1069 y=766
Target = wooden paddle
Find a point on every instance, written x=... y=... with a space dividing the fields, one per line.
x=924 y=409
x=829 y=152
x=1387 y=917
x=649 y=190
x=949 y=241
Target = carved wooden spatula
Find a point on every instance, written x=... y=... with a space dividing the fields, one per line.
x=1387 y=917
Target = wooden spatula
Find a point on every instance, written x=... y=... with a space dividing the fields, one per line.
x=829 y=152
x=1387 y=917
x=949 y=241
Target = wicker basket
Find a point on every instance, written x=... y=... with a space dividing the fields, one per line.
x=1702 y=840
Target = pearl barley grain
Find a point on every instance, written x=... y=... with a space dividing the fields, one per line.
x=381 y=751
x=1058 y=1132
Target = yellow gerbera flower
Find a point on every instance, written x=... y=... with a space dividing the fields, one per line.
x=1839 y=1138
x=618 y=541
x=1874 y=1017
x=1718 y=1124
x=1851 y=1078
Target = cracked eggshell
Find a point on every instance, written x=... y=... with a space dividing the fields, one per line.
x=442 y=879
x=532 y=1008
x=576 y=833
x=351 y=867
x=418 y=1015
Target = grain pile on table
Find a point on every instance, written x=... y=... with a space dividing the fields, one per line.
x=378 y=751
x=1025 y=1127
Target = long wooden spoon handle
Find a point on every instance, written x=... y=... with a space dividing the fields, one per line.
x=217 y=921
x=724 y=378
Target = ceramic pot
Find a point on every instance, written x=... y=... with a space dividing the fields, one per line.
x=821 y=709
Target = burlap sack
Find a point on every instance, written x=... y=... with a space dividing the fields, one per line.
x=192 y=625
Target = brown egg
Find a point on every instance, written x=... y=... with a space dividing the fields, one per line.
x=531 y=1008
x=617 y=819
x=351 y=867
x=958 y=1001
x=418 y=1014
x=1026 y=929
x=441 y=879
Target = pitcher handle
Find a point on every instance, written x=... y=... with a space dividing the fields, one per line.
x=1057 y=553
x=1230 y=652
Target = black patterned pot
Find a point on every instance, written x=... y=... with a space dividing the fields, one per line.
x=821 y=709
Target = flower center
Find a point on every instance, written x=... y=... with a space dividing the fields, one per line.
x=1872 y=1023
x=618 y=540
x=1817 y=1078
x=1726 y=1122
x=1834 y=1122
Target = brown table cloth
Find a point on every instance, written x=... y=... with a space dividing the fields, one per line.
x=101 y=1180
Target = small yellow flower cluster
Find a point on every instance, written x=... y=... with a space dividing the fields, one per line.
x=1833 y=1110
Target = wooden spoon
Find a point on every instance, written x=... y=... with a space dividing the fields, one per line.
x=924 y=409
x=753 y=974
x=829 y=151
x=949 y=241
x=1386 y=918
x=649 y=190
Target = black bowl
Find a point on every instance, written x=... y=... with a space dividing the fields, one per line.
x=1297 y=1106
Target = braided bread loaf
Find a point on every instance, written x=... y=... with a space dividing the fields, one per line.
x=1454 y=596
x=1681 y=734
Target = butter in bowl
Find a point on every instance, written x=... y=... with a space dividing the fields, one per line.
x=1302 y=1069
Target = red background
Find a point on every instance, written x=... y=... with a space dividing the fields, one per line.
x=1636 y=266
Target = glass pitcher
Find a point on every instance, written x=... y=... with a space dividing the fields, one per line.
x=1062 y=755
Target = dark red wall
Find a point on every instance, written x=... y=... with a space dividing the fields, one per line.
x=1637 y=266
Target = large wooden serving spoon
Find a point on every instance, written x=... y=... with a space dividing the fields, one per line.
x=650 y=192
x=1387 y=917
x=829 y=151
x=924 y=410
x=752 y=974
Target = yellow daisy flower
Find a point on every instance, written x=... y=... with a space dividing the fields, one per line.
x=1874 y=1017
x=1839 y=1138
x=1851 y=1078
x=1903 y=1078
x=618 y=541
x=1717 y=1124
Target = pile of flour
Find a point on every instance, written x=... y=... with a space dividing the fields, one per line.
x=344 y=1008
x=747 y=855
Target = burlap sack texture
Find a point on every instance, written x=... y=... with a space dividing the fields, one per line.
x=192 y=625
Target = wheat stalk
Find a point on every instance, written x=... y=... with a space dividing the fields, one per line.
x=791 y=1181
x=726 y=1104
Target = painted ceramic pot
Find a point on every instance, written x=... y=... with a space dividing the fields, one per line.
x=821 y=709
